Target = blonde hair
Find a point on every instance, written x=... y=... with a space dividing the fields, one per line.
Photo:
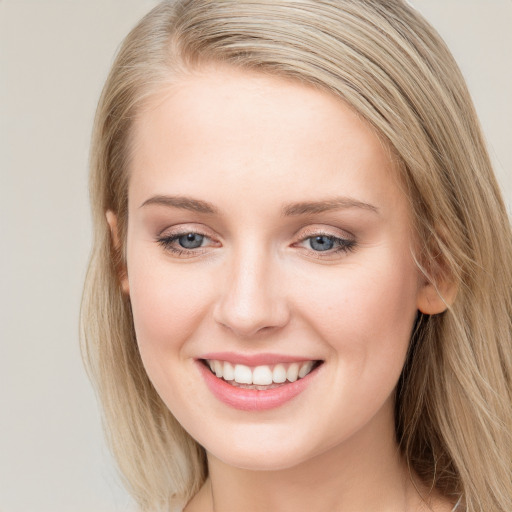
x=453 y=404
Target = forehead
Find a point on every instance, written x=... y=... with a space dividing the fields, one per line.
x=244 y=128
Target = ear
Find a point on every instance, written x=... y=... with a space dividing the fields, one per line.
x=436 y=298
x=116 y=243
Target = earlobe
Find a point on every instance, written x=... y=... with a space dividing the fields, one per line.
x=116 y=244
x=434 y=299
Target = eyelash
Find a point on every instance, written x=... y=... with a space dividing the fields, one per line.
x=167 y=242
x=344 y=245
x=341 y=245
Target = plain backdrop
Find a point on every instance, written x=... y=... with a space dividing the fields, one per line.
x=54 y=57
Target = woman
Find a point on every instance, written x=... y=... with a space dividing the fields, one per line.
x=299 y=296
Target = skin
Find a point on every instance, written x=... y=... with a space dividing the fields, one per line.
x=249 y=146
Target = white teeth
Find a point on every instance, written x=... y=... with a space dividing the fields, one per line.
x=262 y=375
x=305 y=369
x=292 y=373
x=279 y=374
x=228 y=372
x=217 y=368
x=243 y=374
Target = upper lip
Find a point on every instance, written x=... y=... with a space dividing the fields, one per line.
x=255 y=359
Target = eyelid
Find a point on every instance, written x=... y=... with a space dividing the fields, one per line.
x=324 y=231
x=183 y=229
x=168 y=237
x=346 y=242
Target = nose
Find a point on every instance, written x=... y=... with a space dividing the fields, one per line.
x=252 y=299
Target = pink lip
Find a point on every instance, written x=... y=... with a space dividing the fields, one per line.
x=253 y=399
x=253 y=359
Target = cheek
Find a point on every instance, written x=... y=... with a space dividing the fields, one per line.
x=366 y=315
x=167 y=305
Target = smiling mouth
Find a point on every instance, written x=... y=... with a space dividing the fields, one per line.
x=261 y=377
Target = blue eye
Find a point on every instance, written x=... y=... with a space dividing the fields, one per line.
x=191 y=240
x=321 y=243
x=186 y=244
x=327 y=246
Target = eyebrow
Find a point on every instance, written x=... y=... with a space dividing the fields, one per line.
x=313 y=207
x=292 y=209
x=183 y=202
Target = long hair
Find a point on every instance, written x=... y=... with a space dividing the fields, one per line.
x=454 y=397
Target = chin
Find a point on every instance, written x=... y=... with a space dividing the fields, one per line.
x=251 y=453
x=255 y=461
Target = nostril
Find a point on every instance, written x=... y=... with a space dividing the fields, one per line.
x=247 y=328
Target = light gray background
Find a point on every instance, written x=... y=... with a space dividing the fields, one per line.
x=54 y=57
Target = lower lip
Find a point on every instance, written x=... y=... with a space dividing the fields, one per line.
x=254 y=399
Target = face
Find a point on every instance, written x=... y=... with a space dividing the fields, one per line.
x=269 y=239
